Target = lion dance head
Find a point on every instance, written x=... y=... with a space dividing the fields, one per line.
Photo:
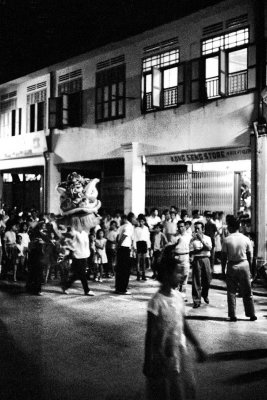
x=78 y=202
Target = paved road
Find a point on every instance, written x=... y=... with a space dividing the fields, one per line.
x=75 y=347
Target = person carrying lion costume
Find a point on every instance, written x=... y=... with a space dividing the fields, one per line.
x=79 y=206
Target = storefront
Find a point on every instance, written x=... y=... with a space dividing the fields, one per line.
x=22 y=169
x=212 y=179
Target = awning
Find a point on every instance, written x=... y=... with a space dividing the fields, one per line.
x=17 y=163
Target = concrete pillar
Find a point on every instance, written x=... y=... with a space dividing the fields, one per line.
x=134 y=179
x=260 y=187
x=52 y=178
x=1 y=189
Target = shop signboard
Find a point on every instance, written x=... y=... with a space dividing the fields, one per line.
x=27 y=145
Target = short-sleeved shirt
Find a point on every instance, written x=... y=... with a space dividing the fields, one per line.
x=127 y=230
x=168 y=339
x=10 y=238
x=236 y=245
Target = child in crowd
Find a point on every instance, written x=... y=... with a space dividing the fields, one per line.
x=141 y=245
x=112 y=247
x=20 y=257
x=158 y=242
x=92 y=267
x=25 y=240
x=168 y=367
x=101 y=258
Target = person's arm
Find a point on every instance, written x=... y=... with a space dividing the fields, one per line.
x=193 y=339
x=151 y=322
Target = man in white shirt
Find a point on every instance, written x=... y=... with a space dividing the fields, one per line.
x=201 y=271
x=123 y=268
x=237 y=249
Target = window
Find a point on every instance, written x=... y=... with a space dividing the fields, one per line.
x=110 y=93
x=36 y=111
x=66 y=109
x=162 y=81
x=10 y=116
x=228 y=65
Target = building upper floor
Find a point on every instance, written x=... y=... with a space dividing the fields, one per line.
x=174 y=85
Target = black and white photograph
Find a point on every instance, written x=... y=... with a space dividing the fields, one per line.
x=133 y=199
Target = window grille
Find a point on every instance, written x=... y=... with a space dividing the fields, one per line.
x=161 y=60
x=226 y=41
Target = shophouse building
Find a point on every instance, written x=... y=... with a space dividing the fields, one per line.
x=162 y=118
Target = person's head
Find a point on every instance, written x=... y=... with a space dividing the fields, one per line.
x=124 y=219
x=195 y=213
x=181 y=227
x=233 y=224
x=19 y=239
x=167 y=215
x=113 y=225
x=188 y=224
x=170 y=273
x=100 y=234
x=154 y=212
x=157 y=228
x=173 y=215
x=208 y=215
x=199 y=227
x=24 y=227
x=141 y=219
x=184 y=214
x=92 y=236
x=173 y=208
x=14 y=227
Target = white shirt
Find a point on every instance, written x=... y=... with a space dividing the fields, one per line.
x=142 y=234
x=80 y=243
x=126 y=229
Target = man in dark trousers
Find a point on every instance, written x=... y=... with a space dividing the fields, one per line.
x=123 y=268
x=237 y=250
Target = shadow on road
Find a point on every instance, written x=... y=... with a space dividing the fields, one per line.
x=20 y=377
x=248 y=377
x=205 y=318
x=254 y=354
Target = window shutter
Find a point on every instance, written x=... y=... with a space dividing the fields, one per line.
x=156 y=87
x=18 y=121
x=75 y=109
x=65 y=110
x=13 y=122
x=181 y=86
x=197 y=78
x=252 y=66
x=55 y=113
x=222 y=73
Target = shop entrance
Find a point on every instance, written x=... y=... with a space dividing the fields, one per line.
x=217 y=187
x=23 y=190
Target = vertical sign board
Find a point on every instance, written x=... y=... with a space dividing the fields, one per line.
x=156 y=87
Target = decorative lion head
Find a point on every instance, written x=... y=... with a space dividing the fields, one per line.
x=78 y=195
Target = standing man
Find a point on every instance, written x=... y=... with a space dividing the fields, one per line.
x=211 y=231
x=201 y=271
x=237 y=249
x=123 y=268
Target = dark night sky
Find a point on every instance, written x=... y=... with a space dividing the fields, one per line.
x=36 y=33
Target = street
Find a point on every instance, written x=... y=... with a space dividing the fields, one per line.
x=75 y=347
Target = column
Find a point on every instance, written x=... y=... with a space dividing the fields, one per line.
x=1 y=190
x=52 y=178
x=261 y=196
x=134 y=179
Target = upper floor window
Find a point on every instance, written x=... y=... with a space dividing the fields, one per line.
x=162 y=81
x=110 y=93
x=66 y=109
x=10 y=116
x=227 y=60
x=36 y=110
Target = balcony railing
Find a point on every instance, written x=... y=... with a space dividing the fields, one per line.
x=169 y=98
x=237 y=82
x=212 y=87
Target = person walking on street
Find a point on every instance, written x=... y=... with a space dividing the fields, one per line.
x=201 y=272
x=123 y=268
x=237 y=250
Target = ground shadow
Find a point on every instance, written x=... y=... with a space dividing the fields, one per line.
x=253 y=354
x=20 y=377
x=205 y=318
x=249 y=377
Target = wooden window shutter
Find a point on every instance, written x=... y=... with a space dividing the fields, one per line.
x=181 y=85
x=156 y=87
x=197 y=80
x=75 y=109
x=222 y=73
x=55 y=113
x=252 y=66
